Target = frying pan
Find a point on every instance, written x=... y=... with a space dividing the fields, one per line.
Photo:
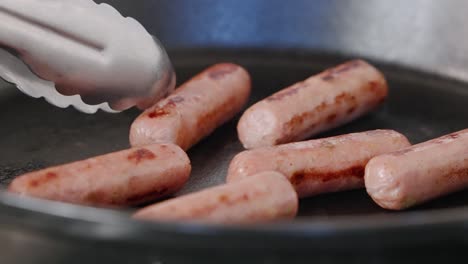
x=422 y=48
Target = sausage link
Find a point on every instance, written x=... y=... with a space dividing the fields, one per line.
x=195 y=109
x=319 y=166
x=128 y=177
x=420 y=173
x=264 y=197
x=327 y=100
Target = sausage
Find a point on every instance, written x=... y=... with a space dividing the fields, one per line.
x=264 y=197
x=124 y=178
x=420 y=173
x=322 y=102
x=319 y=166
x=196 y=109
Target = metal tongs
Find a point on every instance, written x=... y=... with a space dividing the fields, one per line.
x=81 y=54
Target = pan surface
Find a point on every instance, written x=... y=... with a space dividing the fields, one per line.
x=36 y=135
x=420 y=45
x=421 y=106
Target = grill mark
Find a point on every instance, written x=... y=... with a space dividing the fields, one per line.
x=150 y=195
x=43 y=179
x=96 y=197
x=300 y=177
x=165 y=109
x=158 y=112
x=223 y=199
x=373 y=86
x=351 y=110
x=140 y=155
x=402 y=151
x=299 y=119
x=331 y=118
x=286 y=92
x=457 y=173
x=331 y=74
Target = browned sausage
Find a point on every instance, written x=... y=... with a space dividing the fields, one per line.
x=195 y=109
x=420 y=173
x=128 y=177
x=322 y=165
x=327 y=100
x=264 y=197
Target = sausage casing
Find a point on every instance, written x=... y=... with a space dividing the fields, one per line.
x=420 y=173
x=195 y=109
x=321 y=165
x=267 y=196
x=123 y=178
x=324 y=101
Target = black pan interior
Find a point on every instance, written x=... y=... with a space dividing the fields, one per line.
x=35 y=135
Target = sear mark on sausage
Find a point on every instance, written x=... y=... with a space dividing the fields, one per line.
x=140 y=155
x=285 y=93
x=402 y=152
x=327 y=76
x=325 y=176
x=331 y=118
x=345 y=97
x=351 y=109
x=298 y=120
x=331 y=74
x=96 y=197
x=43 y=179
x=226 y=200
x=373 y=86
x=144 y=197
x=223 y=200
x=159 y=111
x=456 y=174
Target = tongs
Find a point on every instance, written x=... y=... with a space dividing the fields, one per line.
x=81 y=54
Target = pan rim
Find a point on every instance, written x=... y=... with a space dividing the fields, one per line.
x=373 y=231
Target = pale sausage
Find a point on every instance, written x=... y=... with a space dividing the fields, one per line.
x=195 y=109
x=124 y=178
x=327 y=100
x=420 y=173
x=267 y=196
x=319 y=166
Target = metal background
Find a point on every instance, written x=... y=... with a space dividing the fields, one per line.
x=425 y=34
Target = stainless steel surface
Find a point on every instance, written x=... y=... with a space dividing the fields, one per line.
x=13 y=70
x=82 y=54
x=424 y=35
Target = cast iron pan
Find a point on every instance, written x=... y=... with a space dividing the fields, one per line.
x=421 y=106
x=330 y=228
